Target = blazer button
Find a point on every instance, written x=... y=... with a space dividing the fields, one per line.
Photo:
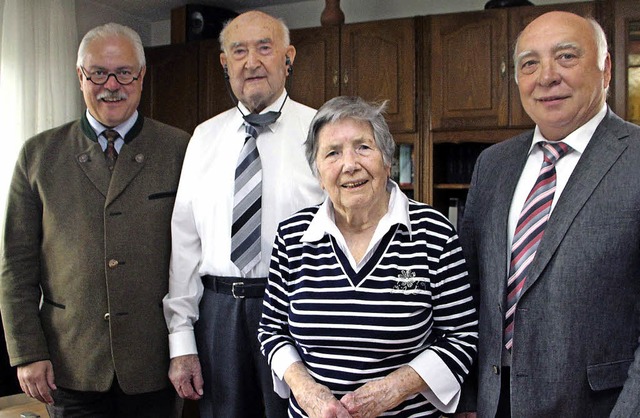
x=139 y=158
x=496 y=369
x=107 y=316
x=113 y=264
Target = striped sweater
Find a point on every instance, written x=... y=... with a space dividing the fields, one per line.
x=352 y=327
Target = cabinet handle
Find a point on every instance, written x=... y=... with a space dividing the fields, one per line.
x=346 y=77
x=503 y=69
x=335 y=78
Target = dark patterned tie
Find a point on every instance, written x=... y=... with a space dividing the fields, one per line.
x=110 y=153
x=530 y=229
x=247 y=205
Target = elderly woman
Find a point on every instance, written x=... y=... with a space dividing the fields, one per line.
x=368 y=308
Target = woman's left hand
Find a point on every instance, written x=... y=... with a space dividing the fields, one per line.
x=370 y=400
x=373 y=398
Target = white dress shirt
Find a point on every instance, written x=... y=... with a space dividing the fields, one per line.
x=201 y=222
x=122 y=130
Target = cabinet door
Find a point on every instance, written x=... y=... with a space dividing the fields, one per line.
x=626 y=62
x=520 y=17
x=378 y=62
x=315 y=76
x=213 y=96
x=170 y=90
x=469 y=75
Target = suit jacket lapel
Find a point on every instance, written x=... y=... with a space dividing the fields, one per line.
x=602 y=152
x=505 y=188
x=131 y=161
x=91 y=161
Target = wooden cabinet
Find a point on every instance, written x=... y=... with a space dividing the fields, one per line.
x=316 y=70
x=626 y=59
x=474 y=100
x=469 y=74
x=374 y=60
x=184 y=85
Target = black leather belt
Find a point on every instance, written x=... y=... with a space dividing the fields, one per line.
x=238 y=287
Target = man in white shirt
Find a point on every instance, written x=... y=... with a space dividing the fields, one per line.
x=217 y=360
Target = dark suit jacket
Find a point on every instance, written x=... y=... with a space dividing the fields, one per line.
x=97 y=250
x=578 y=321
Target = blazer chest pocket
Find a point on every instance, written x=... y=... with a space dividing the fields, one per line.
x=162 y=195
x=605 y=376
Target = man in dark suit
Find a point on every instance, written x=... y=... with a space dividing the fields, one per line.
x=87 y=244
x=559 y=304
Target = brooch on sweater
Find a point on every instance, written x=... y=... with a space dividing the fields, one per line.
x=407 y=281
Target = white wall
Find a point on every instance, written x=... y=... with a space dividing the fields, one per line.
x=90 y=14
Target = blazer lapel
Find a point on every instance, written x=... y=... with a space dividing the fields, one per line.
x=131 y=161
x=91 y=161
x=503 y=194
x=603 y=151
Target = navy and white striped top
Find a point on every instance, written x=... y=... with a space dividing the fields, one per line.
x=351 y=327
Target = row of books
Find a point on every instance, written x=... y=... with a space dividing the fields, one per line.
x=402 y=170
x=456 y=161
x=455 y=211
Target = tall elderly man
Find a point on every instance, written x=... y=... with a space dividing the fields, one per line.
x=87 y=246
x=555 y=248
x=245 y=170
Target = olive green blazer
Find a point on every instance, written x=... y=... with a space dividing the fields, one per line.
x=86 y=256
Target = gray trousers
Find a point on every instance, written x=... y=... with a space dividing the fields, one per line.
x=237 y=378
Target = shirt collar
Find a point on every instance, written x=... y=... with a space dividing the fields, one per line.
x=324 y=220
x=275 y=106
x=578 y=139
x=122 y=129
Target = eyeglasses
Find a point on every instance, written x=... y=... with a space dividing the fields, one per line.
x=100 y=77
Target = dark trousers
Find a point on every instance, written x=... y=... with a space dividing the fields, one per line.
x=114 y=404
x=504 y=403
x=237 y=378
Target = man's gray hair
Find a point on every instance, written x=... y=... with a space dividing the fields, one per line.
x=356 y=108
x=106 y=31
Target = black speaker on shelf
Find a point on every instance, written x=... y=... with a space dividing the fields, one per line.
x=194 y=22
x=497 y=4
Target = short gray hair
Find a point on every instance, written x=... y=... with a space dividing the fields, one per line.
x=106 y=31
x=599 y=37
x=283 y=26
x=356 y=108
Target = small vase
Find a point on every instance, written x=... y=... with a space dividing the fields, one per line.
x=332 y=15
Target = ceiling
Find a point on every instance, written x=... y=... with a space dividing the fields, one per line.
x=157 y=10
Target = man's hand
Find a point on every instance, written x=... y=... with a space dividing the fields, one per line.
x=465 y=415
x=186 y=375
x=37 y=380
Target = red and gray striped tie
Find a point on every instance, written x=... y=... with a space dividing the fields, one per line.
x=530 y=229
x=247 y=205
x=110 y=153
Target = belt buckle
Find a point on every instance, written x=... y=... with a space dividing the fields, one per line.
x=233 y=290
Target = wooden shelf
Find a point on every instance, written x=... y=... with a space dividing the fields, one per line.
x=451 y=186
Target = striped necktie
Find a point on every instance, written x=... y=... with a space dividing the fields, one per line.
x=247 y=205
x=530 y=229
x=110 y=153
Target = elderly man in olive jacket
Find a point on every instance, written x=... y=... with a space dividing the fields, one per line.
x=87 y=244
